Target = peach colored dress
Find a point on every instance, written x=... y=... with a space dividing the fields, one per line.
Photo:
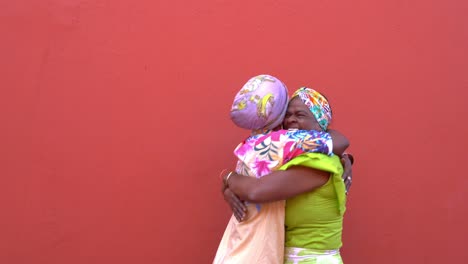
x=260 y=237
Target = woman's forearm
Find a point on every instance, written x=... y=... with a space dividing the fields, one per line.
x=278 y=185
x=340 y=142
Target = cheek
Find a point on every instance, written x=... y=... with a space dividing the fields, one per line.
x=308 y=124
x=303 y=124
x=315 y=126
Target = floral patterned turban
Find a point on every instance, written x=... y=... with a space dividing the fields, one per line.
x=317 y=104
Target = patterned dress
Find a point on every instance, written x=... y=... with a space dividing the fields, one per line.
x=260 y=237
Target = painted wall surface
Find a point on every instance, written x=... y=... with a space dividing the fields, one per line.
x=115 y=126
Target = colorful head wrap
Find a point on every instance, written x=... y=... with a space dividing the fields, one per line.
x=261 y=103
x=317 y=104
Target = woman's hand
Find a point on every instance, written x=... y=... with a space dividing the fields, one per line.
x=347 y=160
x=237 y=206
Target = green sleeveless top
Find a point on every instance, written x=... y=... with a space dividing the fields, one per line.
x=314 y=220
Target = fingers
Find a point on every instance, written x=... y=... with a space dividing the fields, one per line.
x=347 y=181
x=237 y=206
x=238 y=217
x=347 y=173
x=349 y=157
x=238 y=213
x=346 y=161
x=348 y=184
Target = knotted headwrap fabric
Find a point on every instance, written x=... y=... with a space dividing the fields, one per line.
x=261 y=103
x=317 y=104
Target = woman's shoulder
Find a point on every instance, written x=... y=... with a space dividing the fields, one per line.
x=316 y=161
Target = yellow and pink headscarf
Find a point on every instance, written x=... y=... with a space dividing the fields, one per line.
x=317 y=104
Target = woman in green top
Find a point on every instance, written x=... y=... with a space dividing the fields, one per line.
x=311 y=184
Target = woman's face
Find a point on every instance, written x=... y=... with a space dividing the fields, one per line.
x=298 y=116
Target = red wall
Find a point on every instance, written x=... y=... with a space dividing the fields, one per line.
x=114 y=122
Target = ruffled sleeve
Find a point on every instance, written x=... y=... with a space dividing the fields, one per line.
x=325 y=163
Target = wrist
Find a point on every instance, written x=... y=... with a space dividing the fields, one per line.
x=226 y=179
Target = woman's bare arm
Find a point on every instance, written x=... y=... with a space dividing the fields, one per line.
x=279 y=185
x=340 y=142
